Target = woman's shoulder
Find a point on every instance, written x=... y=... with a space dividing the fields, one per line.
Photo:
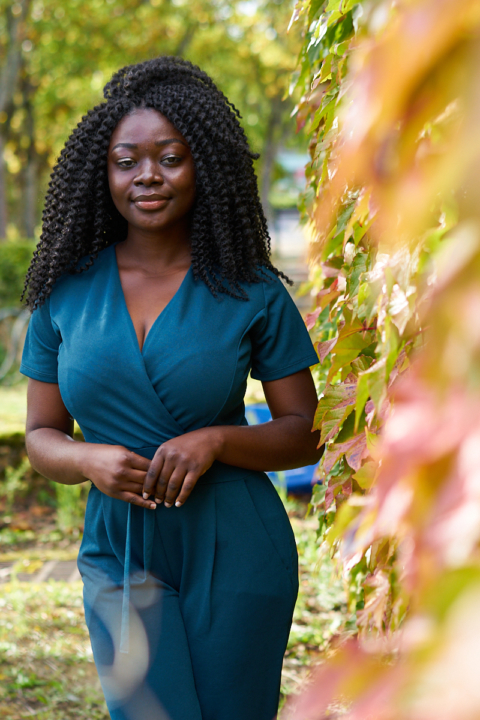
x=270 y=287
x=72 y=284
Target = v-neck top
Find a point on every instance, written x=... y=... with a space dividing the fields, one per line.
x=192 y=370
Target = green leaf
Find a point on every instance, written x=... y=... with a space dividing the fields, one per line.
x=361 y=363
x=362 y=397
x=366 y=475
x=347 y=349
x=348 y=428
x=344 y=518
x=359 y=266
x=375 y=378
x=333 y=5
x=333 y=408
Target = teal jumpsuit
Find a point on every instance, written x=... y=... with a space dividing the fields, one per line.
x=188 y=609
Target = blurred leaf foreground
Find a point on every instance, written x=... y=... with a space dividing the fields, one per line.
x=391 y=109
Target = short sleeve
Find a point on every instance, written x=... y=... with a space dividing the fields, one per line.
x=281 y=344
x=40 y=352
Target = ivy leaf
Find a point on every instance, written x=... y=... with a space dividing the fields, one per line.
x=361 y=363
x=372 y=383
x=311 y=318
x=355 y=450
x=362 y=397
x=333 y=408
x=365 y=476
x=342 y=487
x=348 y=348
x=359 y=266
x=323 y=348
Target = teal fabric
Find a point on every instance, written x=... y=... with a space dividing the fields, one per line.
x=213 y=583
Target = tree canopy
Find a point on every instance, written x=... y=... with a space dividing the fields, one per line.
x=57 y=55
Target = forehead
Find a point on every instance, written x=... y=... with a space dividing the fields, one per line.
x=142 y=126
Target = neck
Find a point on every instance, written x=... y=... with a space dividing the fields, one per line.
x=153 y=251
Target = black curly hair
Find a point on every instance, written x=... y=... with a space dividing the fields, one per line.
x=229 y=236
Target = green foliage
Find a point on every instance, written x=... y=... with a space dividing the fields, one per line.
x=392 y=118
x=365 y=323
x=70 y=506
x=14 y=483
x=15 y=258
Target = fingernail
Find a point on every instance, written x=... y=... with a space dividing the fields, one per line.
x=178 y=504
x=145 y=496
x=153 y=506
x=167 y=504
x=158 y=500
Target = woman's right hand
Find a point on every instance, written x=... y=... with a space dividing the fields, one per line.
x=116 y=471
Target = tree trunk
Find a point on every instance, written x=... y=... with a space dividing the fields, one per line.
x=185 y=40
x=270 y=149
x=3 y=192
x=29 y=211
x=9 y=73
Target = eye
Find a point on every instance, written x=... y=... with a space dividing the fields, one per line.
x=126 y=163
x=171 y=160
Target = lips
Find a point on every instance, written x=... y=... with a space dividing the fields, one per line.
x=150 y=202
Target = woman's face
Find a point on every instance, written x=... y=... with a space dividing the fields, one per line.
x=150 y=172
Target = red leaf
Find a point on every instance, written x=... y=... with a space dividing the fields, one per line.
x=324 y=348
x=312 y=318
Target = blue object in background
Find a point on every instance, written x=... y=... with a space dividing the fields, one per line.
x=299 y=480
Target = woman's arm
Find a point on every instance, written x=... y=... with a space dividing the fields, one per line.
x=285 y=442
x=54 y=453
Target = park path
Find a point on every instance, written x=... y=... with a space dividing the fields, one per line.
x=62 y=570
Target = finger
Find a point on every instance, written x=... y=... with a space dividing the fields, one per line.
x=188 y=484
x=174 y=485
x=135 y=476
x=134 y=488
x=138 y=462
x=150 y=480
x=162 y=482
x=135 y=499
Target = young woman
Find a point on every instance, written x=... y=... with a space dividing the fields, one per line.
x=153 y=296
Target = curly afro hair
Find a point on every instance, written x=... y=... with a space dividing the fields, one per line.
x=229 y=235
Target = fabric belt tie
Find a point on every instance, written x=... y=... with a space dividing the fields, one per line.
x=216 y=474
x=148 y=537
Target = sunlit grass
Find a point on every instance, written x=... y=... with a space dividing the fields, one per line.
x=46 y=666
x=13 y=408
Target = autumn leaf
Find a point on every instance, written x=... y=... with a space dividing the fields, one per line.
x=333 y=408
x=355 y=450
x=324 y=348
x=311 y=318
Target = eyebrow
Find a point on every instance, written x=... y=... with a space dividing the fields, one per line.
x=159 y=143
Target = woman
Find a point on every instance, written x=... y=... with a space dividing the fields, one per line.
x=153 y=296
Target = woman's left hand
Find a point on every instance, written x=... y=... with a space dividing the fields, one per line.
x=178 y=463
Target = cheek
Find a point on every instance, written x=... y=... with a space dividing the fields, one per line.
x=188 y=187
x=116 y=190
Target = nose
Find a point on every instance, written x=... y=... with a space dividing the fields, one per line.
x=149 y=173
